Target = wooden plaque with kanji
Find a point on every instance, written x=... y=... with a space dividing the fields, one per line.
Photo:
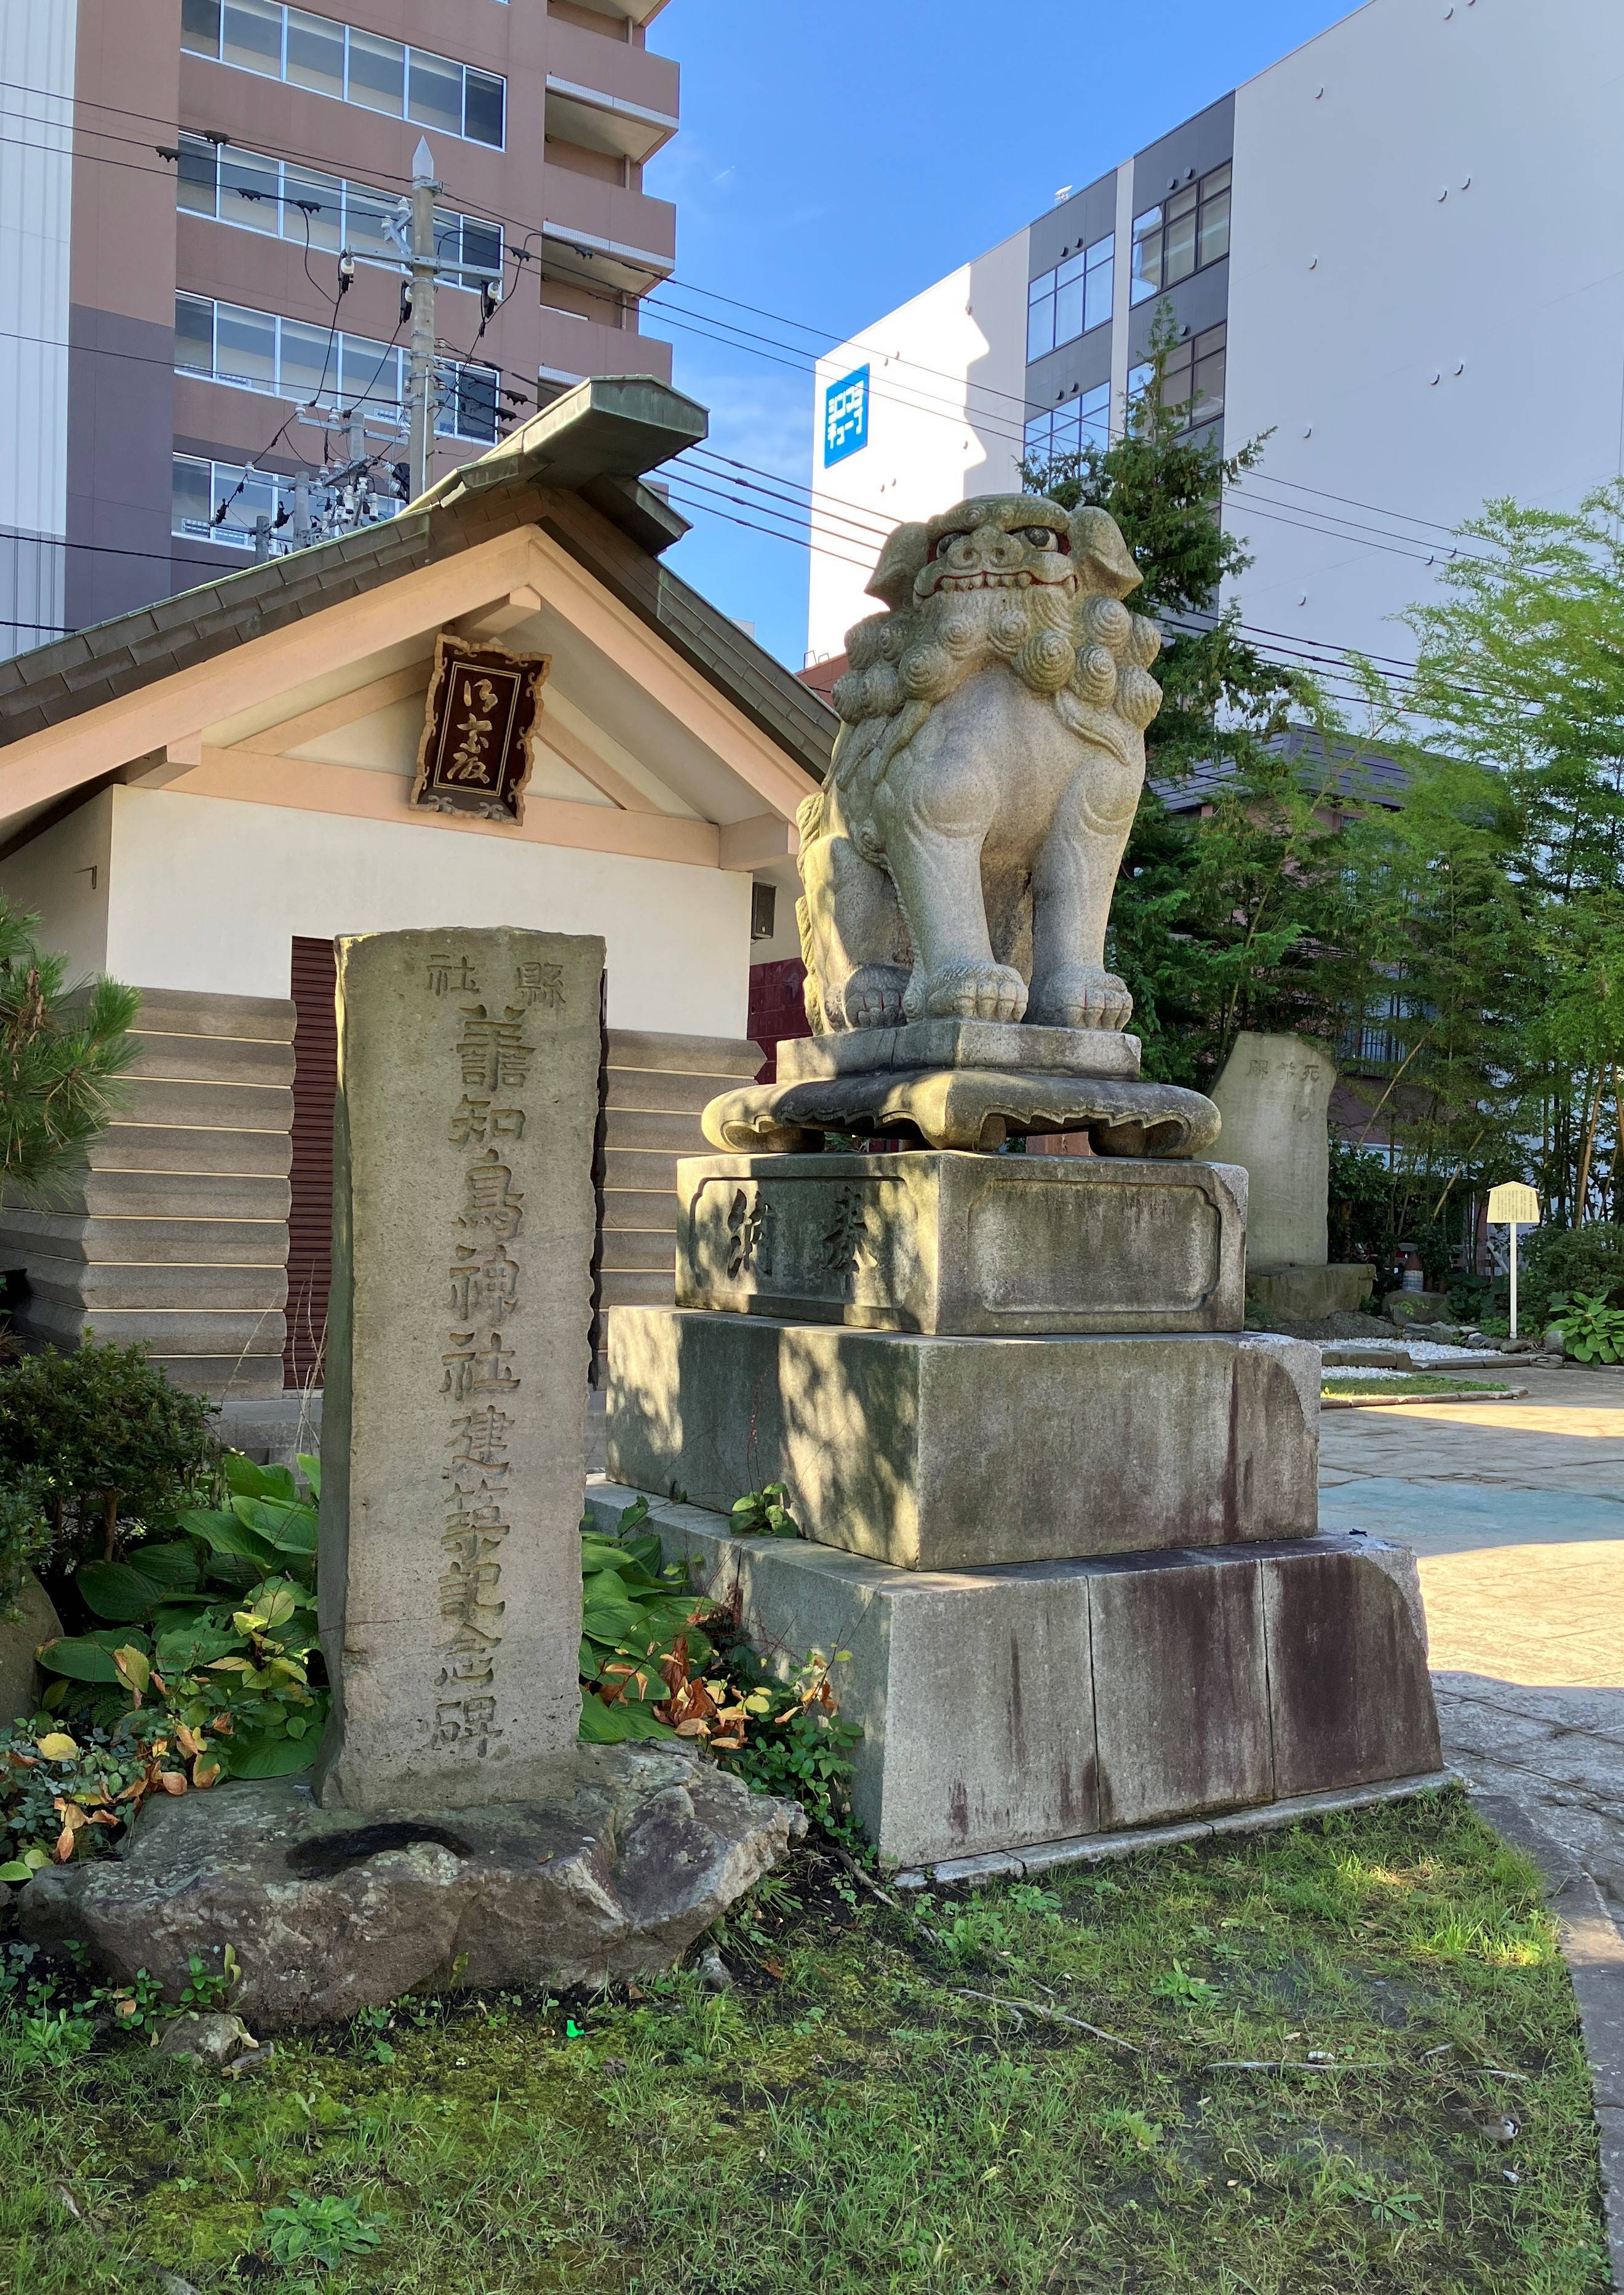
x=476 y=751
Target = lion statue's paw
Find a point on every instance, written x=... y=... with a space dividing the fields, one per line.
x=873 y=997
x=1082 y=996
x=974 y=991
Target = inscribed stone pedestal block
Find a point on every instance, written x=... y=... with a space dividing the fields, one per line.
x=453 y=1431
x=947 y=1453
x=957 y=1244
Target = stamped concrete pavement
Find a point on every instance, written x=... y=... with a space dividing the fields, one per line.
x=1515 y=1512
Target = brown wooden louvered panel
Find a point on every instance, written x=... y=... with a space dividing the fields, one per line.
x=316 y=1081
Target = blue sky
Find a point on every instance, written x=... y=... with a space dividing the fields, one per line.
x=833 y=160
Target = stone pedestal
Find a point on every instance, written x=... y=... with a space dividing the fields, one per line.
x=1057 y=1703
x=453 y=1424
x=965 y=1246
x=939 y=1454
x=1304 y=1295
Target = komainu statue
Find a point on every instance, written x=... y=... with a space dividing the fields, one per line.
x=984 y=778
x=958 y=863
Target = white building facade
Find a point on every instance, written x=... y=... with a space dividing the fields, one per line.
x=1394 y=251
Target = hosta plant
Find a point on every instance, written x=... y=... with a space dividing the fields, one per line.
x=1591 y=1330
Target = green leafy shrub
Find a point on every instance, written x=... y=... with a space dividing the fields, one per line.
x=1591 y=1330
x=68 y=1794
x=120 y=1449
x=1568 y=1260
x=60 y=1057
x=793 y=1742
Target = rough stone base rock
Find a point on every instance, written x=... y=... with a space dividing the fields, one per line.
x=330 y=1912
x=946 y=1453
x=1004 y=1707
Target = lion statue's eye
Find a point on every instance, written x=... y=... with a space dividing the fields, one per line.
x=943 y=543
x=1041 y=538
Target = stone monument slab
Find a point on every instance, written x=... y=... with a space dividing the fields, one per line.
x=948 y=1453
x=964 y=1244
x=453 y=1432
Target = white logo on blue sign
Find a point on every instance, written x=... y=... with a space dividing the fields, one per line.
x=845 y=417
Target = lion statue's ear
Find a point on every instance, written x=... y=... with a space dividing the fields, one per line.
x=1103 y=559
x=901 y=561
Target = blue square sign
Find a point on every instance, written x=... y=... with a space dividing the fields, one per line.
x=845 y=417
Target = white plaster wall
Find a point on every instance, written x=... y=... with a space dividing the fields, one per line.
x=38 y=47
x=207 y=892
x=63 y=878
x=1352 y=284
x=946 y=407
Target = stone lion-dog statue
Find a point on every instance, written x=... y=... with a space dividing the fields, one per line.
x=984 y=777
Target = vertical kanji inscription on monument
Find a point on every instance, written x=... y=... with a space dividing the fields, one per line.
x=453 y=1433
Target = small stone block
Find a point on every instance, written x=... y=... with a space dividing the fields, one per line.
x=948 y=1453
x=956 y=1243
x=1347 y=1659
x=960 y=1044
x=1180 y=1688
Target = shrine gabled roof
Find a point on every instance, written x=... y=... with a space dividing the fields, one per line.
x=575 y=470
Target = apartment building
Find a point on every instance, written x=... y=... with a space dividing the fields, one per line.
x=202 y=321
x=1395 y=251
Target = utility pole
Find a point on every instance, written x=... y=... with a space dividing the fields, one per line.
x=421 y=383
x=301 y=508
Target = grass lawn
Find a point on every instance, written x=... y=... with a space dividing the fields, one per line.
x=1405 y=1381
x=847 y=2119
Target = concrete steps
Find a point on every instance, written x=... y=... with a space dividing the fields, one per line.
x=174 y=1231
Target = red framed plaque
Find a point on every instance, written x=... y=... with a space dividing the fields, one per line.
x=478 y=746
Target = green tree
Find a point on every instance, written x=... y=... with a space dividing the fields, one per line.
x=1236 y=919
x=1520 y=674
x=61 y=1055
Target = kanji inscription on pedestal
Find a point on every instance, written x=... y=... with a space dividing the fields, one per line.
x=453 y=1438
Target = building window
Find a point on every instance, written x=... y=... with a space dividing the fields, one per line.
x=1195 y=379
x=278 y=41
x=288 y=358
x=1187 y=231
x=1081 y=422
x=229 y=184
x=1070 y=300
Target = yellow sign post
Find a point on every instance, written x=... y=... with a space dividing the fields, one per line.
x=1514 y=1204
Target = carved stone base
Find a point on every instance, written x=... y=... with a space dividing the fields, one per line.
x=960 y=1044
x=971 y=1245
x=965 y=1107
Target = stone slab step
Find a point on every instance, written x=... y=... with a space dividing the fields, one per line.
x=213 y=1060
x=729 y=1057
x=218 y=1107
x=239 y=1377
x=180 y=1331
x=56 y=1235
x=636 y=1287
x=180 y=1147
x=177 y=1195
x=199 y=1012
x=639 y=1167
x=678 y=1134
x=658 y=1094
x=68 y=1282
x=631 y=1208
x=626 y=1248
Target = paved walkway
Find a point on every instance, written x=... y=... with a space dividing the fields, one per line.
x=1515 y=1512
